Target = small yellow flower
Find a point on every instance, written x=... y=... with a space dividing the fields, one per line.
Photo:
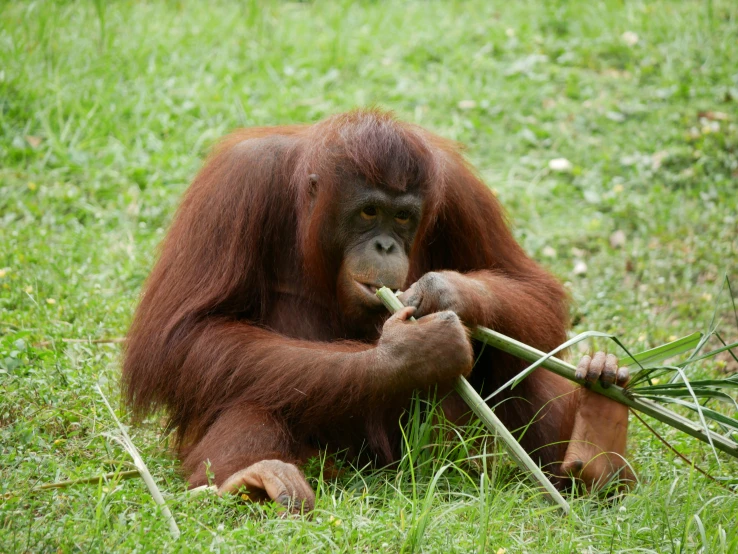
x=3 y=273
x=244 y=497
x=31 y=186
x=618 y=188
x=50 y=301
x=28 y=289
x=672 y=338
x=707 y=296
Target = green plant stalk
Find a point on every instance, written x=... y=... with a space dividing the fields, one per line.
x=618 y=394
x=568 y=371
x=129 y=474
x=480 y=408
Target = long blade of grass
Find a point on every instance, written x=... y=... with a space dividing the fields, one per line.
x=683 y=392
x=711 y=414
x=728 y=382
x=415 y=536
x=663 y=352
x=710 y=354
x=732 y=298
x=712 y=327
x=732 y=354
x=699 y=410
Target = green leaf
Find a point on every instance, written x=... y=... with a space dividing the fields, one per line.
x=663 y=352
x=707 y=412
x=705 y=393
x=728 y=382
x=710 y=354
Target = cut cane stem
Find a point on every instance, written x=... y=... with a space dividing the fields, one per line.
x=488 y=417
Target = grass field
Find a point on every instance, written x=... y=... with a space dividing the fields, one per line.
x=106 y=111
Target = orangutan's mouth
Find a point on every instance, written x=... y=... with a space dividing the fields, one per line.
x=369 y=289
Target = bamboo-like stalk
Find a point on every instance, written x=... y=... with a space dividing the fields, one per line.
x=480 y=408
x=618 y=394
x=614 y=392
x=125 y=441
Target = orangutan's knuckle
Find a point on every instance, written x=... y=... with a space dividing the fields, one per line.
x=431 y=281
x=443 y=295
x=452 y=320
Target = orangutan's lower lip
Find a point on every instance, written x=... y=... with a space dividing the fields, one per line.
x=370 y=291
x=369 y=287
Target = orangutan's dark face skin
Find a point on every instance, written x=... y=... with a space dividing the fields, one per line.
x=375 y=231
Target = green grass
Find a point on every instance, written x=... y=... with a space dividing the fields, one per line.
x=106 y=111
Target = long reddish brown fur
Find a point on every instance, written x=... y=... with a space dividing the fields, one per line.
x=238 y=335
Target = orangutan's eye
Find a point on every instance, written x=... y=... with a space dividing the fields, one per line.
x=369 y=213
x=402 y=217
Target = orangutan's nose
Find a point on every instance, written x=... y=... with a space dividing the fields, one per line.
x=385 y=245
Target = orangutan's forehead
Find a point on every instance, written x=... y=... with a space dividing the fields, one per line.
x=381 y=174
x=355 y=192
x=350 y=182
